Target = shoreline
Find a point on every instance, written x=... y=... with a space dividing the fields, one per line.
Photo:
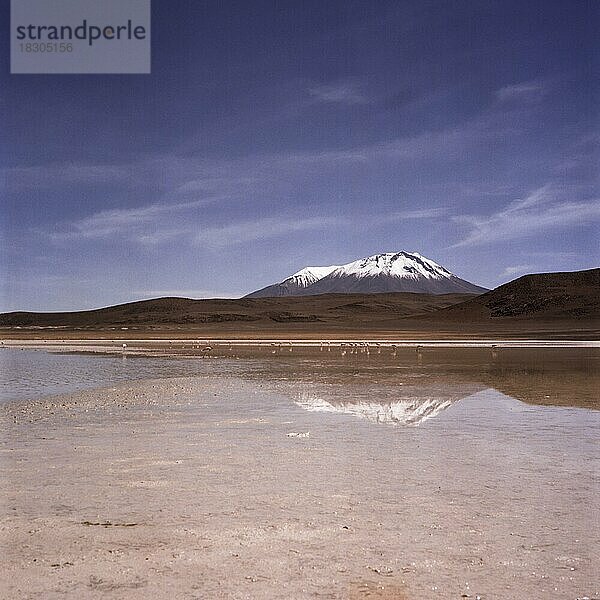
x=208 y=345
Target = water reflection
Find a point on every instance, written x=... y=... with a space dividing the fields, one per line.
x=401 y=390
x=411 y=396
x=414 y=406
x=405 y=412
x=28 y=374
x=549 y=387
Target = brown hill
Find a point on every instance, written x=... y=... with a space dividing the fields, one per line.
x=569 y=295
x=333 y=309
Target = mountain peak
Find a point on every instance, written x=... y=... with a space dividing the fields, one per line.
x=396 y=264
x=380 y=273
x=309 y=275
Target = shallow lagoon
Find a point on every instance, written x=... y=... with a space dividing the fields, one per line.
x=450 y=474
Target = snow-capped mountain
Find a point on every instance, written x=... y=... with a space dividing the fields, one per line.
x=294 y=284
x=380 y=273
x=308 y=276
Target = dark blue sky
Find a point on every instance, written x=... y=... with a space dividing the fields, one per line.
x=275 y=135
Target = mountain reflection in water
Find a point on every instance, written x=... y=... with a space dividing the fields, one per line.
x=405 y=412
x=404 y=400
x=415 y=406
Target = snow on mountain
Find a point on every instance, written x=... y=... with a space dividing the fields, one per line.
x=294 y=284
x=398 y=264
x=309 y=275
x=380 y=273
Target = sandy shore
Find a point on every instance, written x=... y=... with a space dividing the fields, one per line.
x=216 y=345
x=199 y=488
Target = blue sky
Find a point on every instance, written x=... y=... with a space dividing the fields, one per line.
x=274 y=135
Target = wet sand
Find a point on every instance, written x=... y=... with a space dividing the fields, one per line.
x=245 y=487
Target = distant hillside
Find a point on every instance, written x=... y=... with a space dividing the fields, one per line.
x=343 y=309
x=545 y=302
x=569 y=295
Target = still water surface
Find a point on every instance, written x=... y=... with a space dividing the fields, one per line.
x=29 y=374
x=402 y=388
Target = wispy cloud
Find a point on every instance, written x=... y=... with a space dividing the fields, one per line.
x=180 y=293
x=449 y=144
x=195 y=183
x=183 y=178
x=62 y=174
x=553 y=255
x=189 y=183
x=341 y=92
x=544 y=209
x=248 y=231
x=131 y=221
x=155 y=224
x=528 y=91
x=425 y=213
x=517 y=270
